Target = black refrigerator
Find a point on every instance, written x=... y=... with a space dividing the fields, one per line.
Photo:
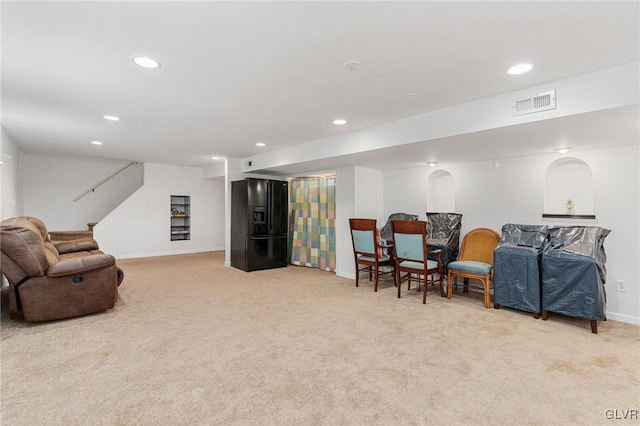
x=259 y=224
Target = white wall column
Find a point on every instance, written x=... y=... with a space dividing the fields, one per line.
x=359 y=193
x=232 y=172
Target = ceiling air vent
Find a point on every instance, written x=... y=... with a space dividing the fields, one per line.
x=542 y=102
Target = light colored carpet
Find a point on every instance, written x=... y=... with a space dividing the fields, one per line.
x=193 y=342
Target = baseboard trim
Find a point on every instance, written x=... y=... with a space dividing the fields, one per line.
x=166 y=253
x=346 y=275
x=623 y=318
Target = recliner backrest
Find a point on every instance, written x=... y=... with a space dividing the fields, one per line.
x=23 y=250
x=42 y=228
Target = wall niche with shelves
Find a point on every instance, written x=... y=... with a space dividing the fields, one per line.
x=180 y=217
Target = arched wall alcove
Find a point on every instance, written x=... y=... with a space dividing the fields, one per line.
x=441 y=194
x=568 y=179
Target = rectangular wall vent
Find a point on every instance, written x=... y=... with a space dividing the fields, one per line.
x=542 y=102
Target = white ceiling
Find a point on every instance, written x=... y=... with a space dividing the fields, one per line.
x=234 y=73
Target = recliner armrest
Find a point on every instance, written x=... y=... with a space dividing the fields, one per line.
x=78 y=265
x=81 y=244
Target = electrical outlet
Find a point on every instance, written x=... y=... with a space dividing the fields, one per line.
x=621 y=286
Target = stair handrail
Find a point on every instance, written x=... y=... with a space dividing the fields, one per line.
x=115 y=173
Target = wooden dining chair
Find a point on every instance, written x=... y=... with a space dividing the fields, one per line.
x=385 y=231
x=367 y=252
x=475 y=262
x=411 y=256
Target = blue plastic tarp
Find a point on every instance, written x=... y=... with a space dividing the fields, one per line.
x=385 y=232
x=574 y=272
x=443 y=233
x=516 y=259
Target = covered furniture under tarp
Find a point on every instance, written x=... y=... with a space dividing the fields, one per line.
x=574 y=273
x=443 y=233
x=385 y=232
x=47 y=281
x=516 y=276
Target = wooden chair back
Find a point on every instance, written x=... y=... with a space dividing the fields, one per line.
x=410 y=239
x=363 y=236
x=479 y=245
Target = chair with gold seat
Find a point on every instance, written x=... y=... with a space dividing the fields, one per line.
x=475 y=262
x=367 y=251
x=411 y=256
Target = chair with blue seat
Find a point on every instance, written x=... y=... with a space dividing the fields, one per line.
x=367 y=251
x=475 y=262
x=411 y=256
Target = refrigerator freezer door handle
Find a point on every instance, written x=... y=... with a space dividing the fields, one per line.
x=270 y=196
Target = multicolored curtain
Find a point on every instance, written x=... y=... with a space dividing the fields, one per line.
x=312 y=232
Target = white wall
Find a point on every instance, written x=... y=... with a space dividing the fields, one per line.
x=10 y=177
x=140 y=226
x=369 y=202
x=490 y=196
x=405 y=191
x=359 y=193
x=51 y=183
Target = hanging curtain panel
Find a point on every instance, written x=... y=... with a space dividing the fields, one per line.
x=313 y=230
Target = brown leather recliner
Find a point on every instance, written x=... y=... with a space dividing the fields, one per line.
x=47 y=281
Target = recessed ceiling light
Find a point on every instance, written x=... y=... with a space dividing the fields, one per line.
x=261 y=144
x=564 y=149
x=96 y=142
x=146 y=62
x=339 y=122
x=111 y=118
x=215 y=158
x=432 y=163
x=519 y=69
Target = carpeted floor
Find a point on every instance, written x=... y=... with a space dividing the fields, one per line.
x=191 y=342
